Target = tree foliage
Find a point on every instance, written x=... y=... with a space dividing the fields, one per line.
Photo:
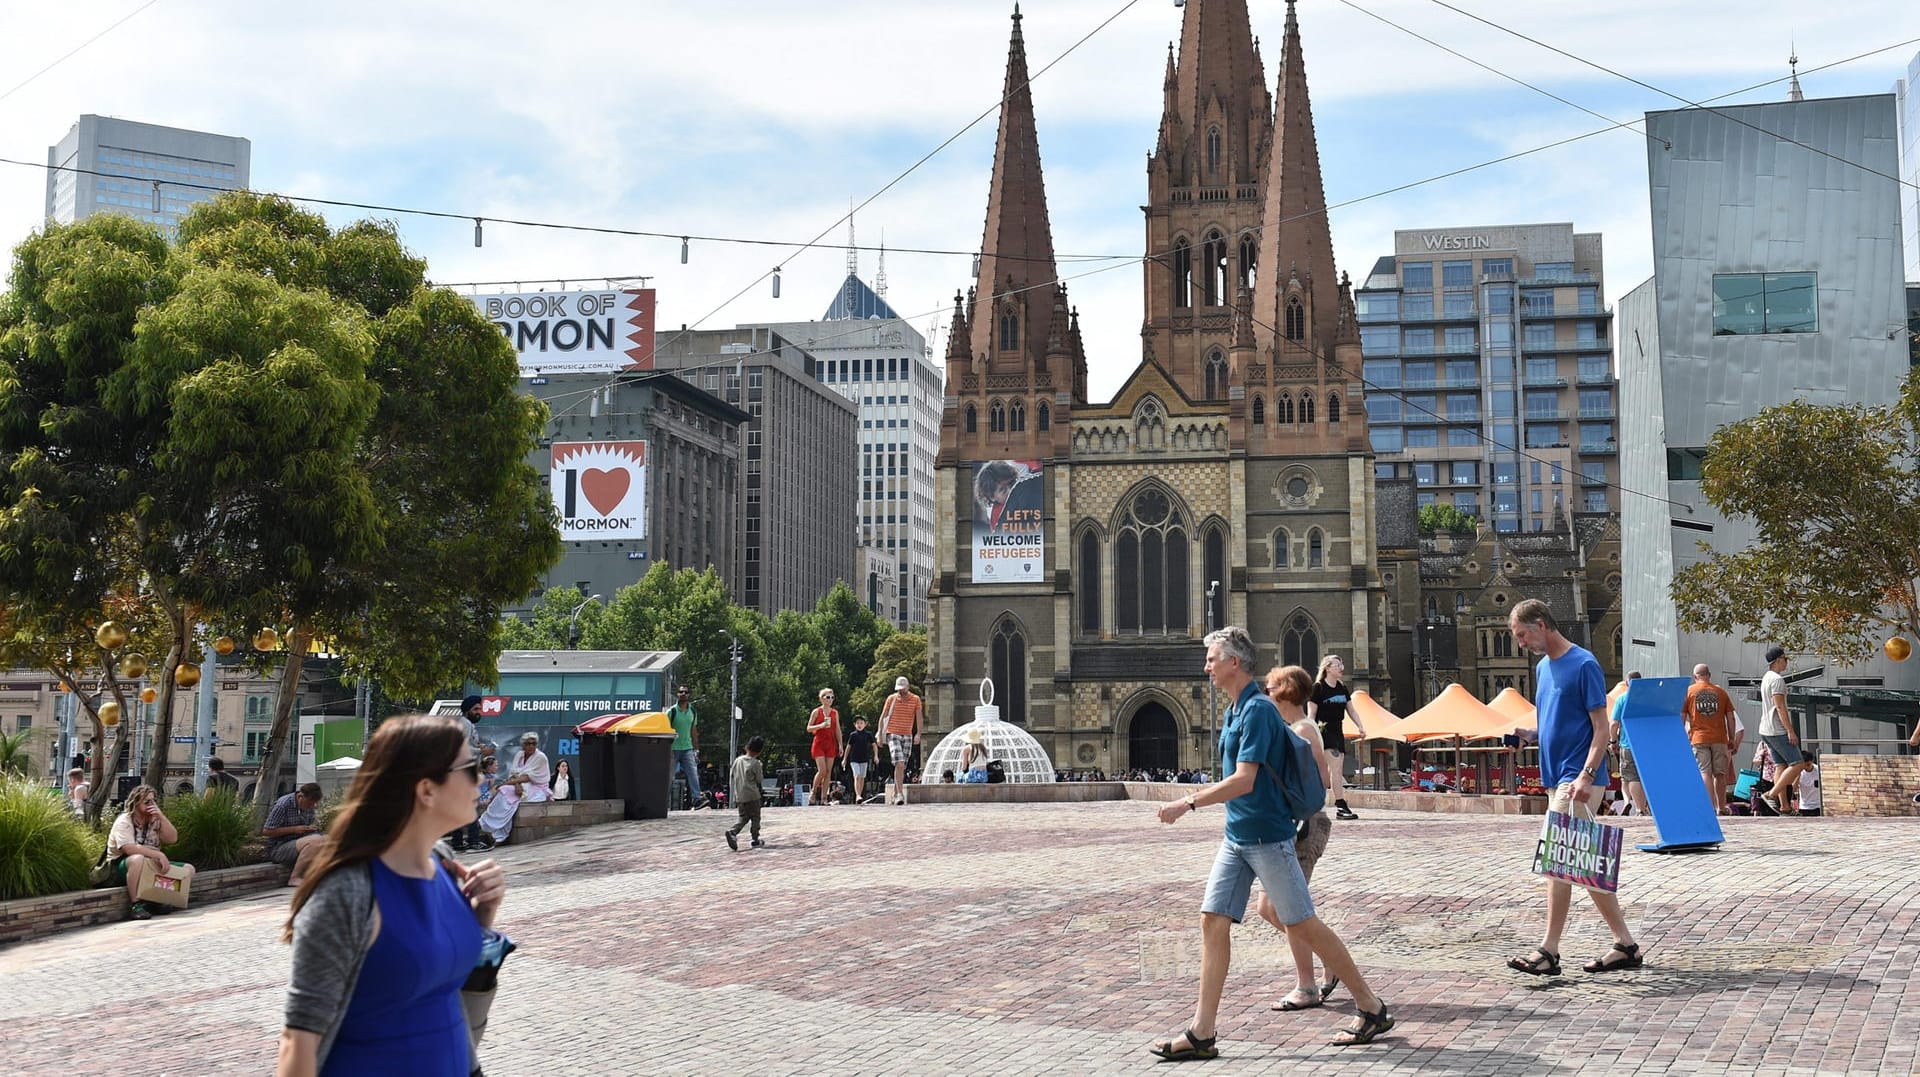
x=1441 y=516
x=1834 y=496
x=268 y=423
x=903 y=654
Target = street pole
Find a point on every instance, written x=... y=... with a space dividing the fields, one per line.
x=1213 y=591
x=203 y=712
x=733 y=700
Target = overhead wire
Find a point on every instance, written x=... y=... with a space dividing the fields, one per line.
x=65 y=56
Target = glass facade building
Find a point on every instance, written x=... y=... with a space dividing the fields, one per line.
x=140 y=170
x=1489 y=370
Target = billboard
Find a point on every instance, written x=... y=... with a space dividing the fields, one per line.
x=600 y=489
x=1009 y=532
x=572 y=332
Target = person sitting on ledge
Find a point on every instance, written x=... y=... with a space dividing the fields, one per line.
x=134 y=844
x=973 y=760
x=293 y=834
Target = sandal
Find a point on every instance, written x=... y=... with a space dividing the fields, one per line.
x=1371 y=1027
x=1196 y=1050
x=1292 y=1001
x=1326 y=989
x=1544 y=963
x=1631 y=961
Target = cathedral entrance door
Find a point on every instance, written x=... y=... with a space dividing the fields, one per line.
x=1153 y=739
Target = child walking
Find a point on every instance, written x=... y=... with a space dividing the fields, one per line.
x=744 y=784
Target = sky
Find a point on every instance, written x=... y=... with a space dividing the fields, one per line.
x=766 y=118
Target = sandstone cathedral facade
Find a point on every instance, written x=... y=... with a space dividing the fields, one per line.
x=1088 y=545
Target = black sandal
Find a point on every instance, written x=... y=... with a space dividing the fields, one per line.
x=1631 y=961
x=1371 y=1027
x=1196 y=1050
x=1287 y=1004
x=1544 y=963
x=1326 y=989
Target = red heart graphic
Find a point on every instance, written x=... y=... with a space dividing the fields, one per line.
x=605 y=489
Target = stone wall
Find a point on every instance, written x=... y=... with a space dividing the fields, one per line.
x=536 y=821
x=31 y=918
x=1870 y=784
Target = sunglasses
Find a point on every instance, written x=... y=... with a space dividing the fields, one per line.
x=471 y=766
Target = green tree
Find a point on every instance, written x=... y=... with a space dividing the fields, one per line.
x=902 y=654
x=550 y=624
x=270 y=424
x=13 y=753
x=850 y=633
x=1834 y=496
x=1441 y=516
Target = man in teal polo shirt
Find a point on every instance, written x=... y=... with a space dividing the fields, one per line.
x=686 y=758
x=1258 y=844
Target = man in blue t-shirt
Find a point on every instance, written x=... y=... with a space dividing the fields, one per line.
x=1258 y=844
x=1570 y=696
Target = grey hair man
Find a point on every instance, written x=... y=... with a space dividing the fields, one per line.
x=1259 y=843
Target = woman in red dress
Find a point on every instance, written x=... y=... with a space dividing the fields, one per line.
x=824 y=724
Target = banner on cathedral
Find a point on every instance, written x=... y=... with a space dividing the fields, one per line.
x=1009 y=528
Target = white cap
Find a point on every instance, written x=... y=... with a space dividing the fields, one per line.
x=899 y=684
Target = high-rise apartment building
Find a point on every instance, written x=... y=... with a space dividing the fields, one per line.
x=140 y=170
x=879 y=362
x=801 y=463
x=1489 y=372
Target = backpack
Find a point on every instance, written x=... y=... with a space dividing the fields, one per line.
x=996 y=772
x=1298 y=777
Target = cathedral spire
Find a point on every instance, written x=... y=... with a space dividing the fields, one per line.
x=1015 y=284
x=1294 y=229
x=1219 y=86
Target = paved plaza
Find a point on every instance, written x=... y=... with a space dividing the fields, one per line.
x=1061 y=939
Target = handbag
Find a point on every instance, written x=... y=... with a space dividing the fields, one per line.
x=476 y=995
x=1585 y=852
x=101 y=873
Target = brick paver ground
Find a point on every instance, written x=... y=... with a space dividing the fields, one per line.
x=1061 y=939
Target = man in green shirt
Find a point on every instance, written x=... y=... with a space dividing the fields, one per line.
x=685 y=757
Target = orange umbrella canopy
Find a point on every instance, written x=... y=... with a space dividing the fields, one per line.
x=1453 y=713
x=1515 y=711
x=1367 y=713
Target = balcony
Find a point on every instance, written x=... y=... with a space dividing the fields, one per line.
x=1602 y=448
x=1596 y=377
x=1593 y=480
x=1564 y=278
x=1456 y=419
x=1437 y=349
x=1471 y=314
x=1544 y=381
x=1543 y=415
x=1542 y=311
x=1567 y=346
x=1374 y=317
x=1597 y=413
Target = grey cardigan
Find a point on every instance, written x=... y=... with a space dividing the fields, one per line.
x=331 y=936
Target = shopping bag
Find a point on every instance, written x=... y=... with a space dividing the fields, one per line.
x=1585 y=852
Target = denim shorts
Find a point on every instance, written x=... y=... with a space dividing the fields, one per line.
x=1277 y=867
x=1785 y=752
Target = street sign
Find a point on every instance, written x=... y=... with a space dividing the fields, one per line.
x=183 y=740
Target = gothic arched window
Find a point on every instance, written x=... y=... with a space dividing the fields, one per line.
x=1017 y=415
x=1009 y=331
x=1182 y=273
x=1306 y=407
x=1045 y=416
x=1010 y=670
x=1214 y=562
x=1249 y=256
x=1296 y=319
x=973 y=419
x=1259 y=411
x=1087 y=574
x=1151 y=568
x=1283 y=409
x=1300 y=644
x=1316 y=549
x=1213 y=150
x=1433 y=608
x=1213 y=257
x=1333 y=407
x=997 y=417
x=1282 y=549
x=1216 y=375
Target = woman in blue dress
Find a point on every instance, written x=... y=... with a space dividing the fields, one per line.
x=385 y=931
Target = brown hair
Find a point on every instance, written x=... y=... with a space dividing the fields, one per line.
x=1535 y=612
x=1295 y=686
x=380 y=802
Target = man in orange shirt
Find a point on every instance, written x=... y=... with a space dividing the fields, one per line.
x=900 y=718
x=1709 y=715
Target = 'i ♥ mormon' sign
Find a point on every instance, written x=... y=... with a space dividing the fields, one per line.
x=600 y=488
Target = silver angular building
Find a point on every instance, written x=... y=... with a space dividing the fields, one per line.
x=140 y=170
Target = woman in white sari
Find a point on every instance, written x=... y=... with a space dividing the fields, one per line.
x=527 y=776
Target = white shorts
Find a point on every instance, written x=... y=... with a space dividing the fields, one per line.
x=859 y=769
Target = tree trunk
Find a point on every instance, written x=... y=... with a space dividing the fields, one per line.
x=156 y=774
x=265 y=787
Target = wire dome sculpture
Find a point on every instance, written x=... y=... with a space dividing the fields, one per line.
x=1014 y=747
